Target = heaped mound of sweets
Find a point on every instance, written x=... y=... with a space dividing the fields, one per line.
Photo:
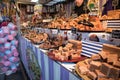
x=52 y=43
x=36 y=37
x=102 y=66
x=70 y=51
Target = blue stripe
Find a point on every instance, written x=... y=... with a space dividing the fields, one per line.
x=39 y=58
x=64 y=73
x=91 y=48
x=113 y=25
x=95 y=45
x=90 y=51
x=85 y=53
x=36 y=51
x=92 y=42
x=113 y=22
x=46 y=67
x=73 y=77
x=51 y=70
x=42 y=67
x=56 y=67
x=24 y=47
x=94 y=50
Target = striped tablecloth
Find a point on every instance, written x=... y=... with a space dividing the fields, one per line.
x=50 y=69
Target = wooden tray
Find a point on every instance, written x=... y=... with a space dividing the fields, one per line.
x=73 y=60
x=77 y=70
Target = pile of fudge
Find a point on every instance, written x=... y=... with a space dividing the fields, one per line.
x=102 y=66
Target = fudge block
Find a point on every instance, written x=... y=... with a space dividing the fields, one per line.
x=111 y=58
x=100 y=74
x=87 y=61
x=105 y=79
x=92 y=75
x=83 y=70
x=103 y=54
x=105 y=68
x=116 y=64
x=96 y=57
x=114 y=73
x=95 y=65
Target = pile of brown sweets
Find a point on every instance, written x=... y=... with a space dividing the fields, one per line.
x=102 y=66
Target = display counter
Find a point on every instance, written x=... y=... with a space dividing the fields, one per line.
x=40 y=65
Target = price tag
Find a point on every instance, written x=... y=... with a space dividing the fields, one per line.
x=58 y=30
x=116 y=34
x=73 y=30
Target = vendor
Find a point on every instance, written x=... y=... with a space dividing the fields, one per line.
x=79 y=7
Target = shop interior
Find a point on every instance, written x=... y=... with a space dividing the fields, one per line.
x=59 y=40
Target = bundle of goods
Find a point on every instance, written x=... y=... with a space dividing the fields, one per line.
x=68 y=23
x=51 y=43
x=71 y=51
x=111 y=16
x=35 y=37
x=102 y=66
x=9 y=60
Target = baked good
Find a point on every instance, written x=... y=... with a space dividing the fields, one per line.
x=116 y=64
x=114 y=73
x=96 y=57
x=87 y=61
x=105 y=68
x=111 y=58
x=95 y=65
x=100 y=74
x=92 y=75
x=103 y=54
x=83 y=70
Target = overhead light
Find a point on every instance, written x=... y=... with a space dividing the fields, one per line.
x=34 y=0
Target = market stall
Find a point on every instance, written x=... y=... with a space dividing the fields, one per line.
x=64 y=47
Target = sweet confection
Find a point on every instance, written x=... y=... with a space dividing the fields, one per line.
x=7 y=45
x=112 y=57
x=5 y=30
x=7 y=63
x=8 y=53
x=114 y=73
x=1 y=33
x=92 y=75
x=8 y=49
x=116 y=64
x=10 y=37
x=103 y=55
x=68 y=52
x=83 y=70
x=96 y=57
x=100 y=74
x=105 y=68
x=95 y=65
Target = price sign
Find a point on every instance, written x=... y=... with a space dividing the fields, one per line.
x=73 y=30
x=116 y=34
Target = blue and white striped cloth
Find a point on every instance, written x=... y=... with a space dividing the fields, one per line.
x=113 y=23
x=89 y=48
